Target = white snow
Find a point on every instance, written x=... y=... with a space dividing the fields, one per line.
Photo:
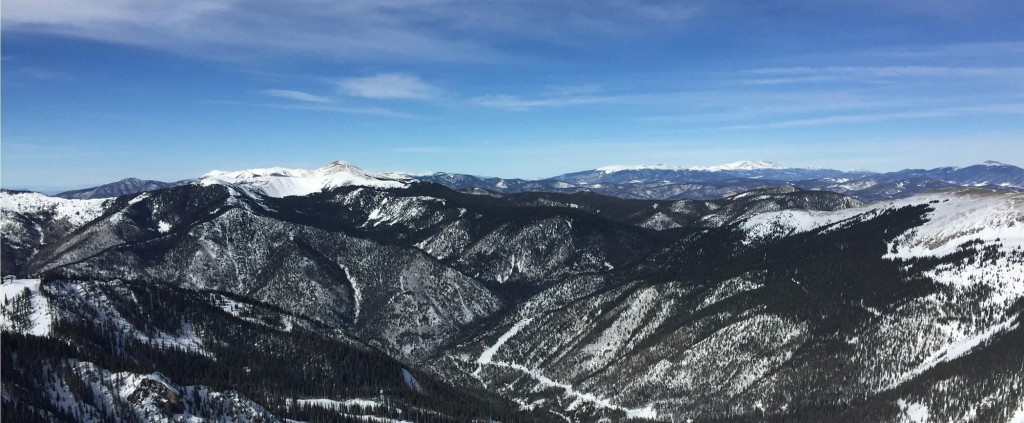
x=102 y=308
x=41 y=317
x=345 y=404
x=788 y=222
x=337 y=405
x=283 y=182
x=740 y=165
x=1018 y=416
x=357 y=294
x=727 y=289
x=914 y=412
x=968 y=215
x=398 y=210
x=487 y=358
x=488 y=354
x=959 y=216
x=76 y=212
x=138 y=198
x=647 y=412
x=620 y=168
x=957 y=349
x=130 y=391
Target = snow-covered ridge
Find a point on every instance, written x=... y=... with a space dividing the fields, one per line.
x=283 y=182
x=740 y=165
x=957 y=217
x=76 y=212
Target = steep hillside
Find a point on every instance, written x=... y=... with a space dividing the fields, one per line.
x=855 y=315
x=775 y=304
x=125 y=351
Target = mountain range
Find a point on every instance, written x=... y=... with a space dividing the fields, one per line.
x=116 y=189
x=336 y=294
x=662 y=182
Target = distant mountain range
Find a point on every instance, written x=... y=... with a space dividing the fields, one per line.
x=659 y=182
x=116 y=189
x=652 y=182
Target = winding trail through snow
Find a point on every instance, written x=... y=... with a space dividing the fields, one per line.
x=488 y=354
x=487 y=357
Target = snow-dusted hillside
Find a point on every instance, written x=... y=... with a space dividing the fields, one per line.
x=282 y=182
x=115 y=351
x=75 y=212
x=771 y=304
x=956 y=217
x=24 y=310
x=809 y=288
x=29 y=220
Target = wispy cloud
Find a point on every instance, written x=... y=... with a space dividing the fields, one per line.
x=320 y=107
x=772 y=76
x=296 y=95
x=428 y=150
x=389 y=86
x=1014 y=109
x=512 y=102
x=395 y=30
x=354 y=110
x=570 y=95
x=952 y=52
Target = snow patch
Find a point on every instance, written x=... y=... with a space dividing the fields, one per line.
x=488 y=354
x=1018 y=416
x=913 y=412
x=40 y=317
x=357 y=294
x=958 y=349
x=647 y=412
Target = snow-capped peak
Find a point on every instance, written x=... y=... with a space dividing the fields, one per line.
x=740 y=165
x=993 y=163
x=283 y=182
x=619 y=168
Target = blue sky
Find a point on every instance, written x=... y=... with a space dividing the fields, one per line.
x=97 y=90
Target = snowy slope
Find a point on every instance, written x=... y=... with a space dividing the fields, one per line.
x=958 y=216
x=29 y=221
x=740 y=165
x=283 y=182
x=31 y=314
x=77 y=212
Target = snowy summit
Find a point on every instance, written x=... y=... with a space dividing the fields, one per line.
x=283 y=182
x=740 y=165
